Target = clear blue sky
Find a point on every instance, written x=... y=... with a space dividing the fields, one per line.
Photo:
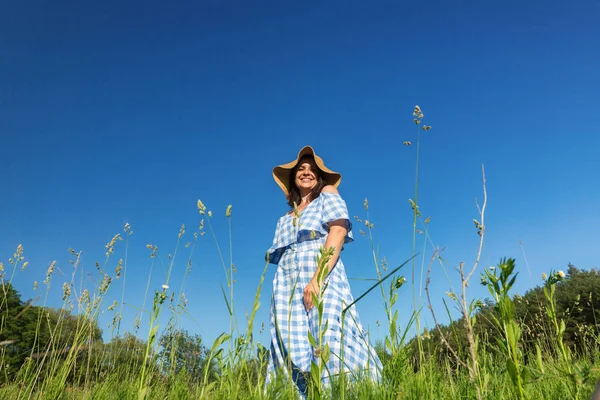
x=115 y=112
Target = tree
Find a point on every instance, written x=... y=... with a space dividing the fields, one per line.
x=179 y=351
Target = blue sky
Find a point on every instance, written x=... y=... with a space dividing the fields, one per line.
x=114 y=113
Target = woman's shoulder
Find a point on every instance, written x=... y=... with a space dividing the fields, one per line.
x=330 y=189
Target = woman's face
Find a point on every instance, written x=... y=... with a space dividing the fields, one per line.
x=306 y=176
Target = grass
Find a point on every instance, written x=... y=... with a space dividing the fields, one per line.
x=68 y=361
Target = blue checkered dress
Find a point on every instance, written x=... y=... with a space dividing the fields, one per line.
x=294 y=250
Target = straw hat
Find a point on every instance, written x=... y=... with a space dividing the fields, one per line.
x=281 y=173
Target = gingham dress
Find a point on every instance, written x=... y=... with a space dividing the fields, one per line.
x=294 y=250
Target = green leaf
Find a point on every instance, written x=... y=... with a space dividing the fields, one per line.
x=512 y=371
x=512 y=282
x=311 y=339
x=388 y=344
x=223 y=337
x=325 y=353
x=226 y=302
x=540 y=363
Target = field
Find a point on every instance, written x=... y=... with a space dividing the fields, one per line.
x=543 y=345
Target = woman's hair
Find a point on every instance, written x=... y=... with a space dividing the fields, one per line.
x=295 y=196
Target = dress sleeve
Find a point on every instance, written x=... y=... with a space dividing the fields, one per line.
x=275 y=251
x=334 y=208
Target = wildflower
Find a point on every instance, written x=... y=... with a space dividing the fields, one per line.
x=35 y=286
x=417 y=121
x=452 y=295
x=417 y=111
x=426 y=127
x=407 y=143
x=228 y=211
x=25 y=264
x=165 y=287
x=181 y=231
x=544 y=276
x=366 y=204
x=492 y=268
x=561 y=274
x=427 y=220
x=127 y=227
x=210 y=214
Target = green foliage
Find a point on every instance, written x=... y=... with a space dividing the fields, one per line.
x=499 y=281
x=179 y=352
x=30 y=332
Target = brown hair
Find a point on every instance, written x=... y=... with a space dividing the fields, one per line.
x=294 y=196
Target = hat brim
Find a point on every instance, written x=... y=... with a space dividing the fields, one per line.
x=281 y=173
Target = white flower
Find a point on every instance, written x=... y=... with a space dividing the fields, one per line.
x=561 y=274
x=165 y=287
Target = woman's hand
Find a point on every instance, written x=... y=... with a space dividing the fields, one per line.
x=309 y=290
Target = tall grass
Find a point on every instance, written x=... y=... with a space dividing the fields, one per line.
x=68 y=360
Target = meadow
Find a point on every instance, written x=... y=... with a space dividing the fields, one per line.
x=542 y=345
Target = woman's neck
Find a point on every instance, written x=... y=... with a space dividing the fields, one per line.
x=305 y=198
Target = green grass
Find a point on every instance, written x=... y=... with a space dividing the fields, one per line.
x=491 y=355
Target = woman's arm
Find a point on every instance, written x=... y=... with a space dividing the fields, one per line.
x=335 y=239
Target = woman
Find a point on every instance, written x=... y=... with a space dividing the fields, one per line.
x=318 y=218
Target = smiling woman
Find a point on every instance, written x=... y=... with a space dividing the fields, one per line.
x=317 y=222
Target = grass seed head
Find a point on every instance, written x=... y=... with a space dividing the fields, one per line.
x=50 y=272
x=66 y=291
x=105 y=284
x=111 y=245
x=19 y=252
x=119 y=268
x=201 y=207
